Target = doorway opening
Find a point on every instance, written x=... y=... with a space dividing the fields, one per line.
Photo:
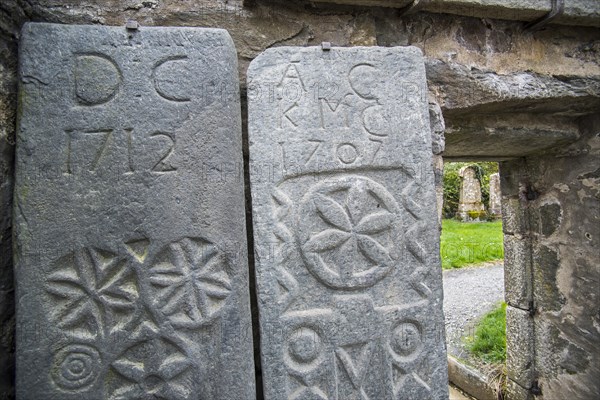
x=472 y=255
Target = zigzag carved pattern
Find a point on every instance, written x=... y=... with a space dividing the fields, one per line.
x=283 y=206
x=412 y=236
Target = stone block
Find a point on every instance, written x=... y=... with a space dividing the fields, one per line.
x=130 y=255
x=512 y=174
x=546 y=217
x=519 y=346
x=516 y=392
x=517 y=271
x=470 y=380
x=344 y=212
x=545 y=266
x=514 y=219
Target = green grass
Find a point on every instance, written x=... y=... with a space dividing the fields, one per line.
x=489 y=341
x=465 y=243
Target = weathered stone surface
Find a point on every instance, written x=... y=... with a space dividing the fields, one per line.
x=482 y=56
x=513 y=216
x=495 y=206
x=518 y=278
x=578 y=12
x=470 y=207
x=563 y=205
x=470 y=380
x=463 y=91
x=438 y=171
x=8 y=111
x=436 y=123
x=346 y=243
x=545 y=265
x=514 y=200
x=130 y=251
x=515 y=392
x=546 y=218
x=501 y=137
x=519 y=346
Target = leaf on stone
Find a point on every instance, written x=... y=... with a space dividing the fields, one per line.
x=65 y=289
x=165 y=274
x=171 y=300
x=131 y=370
x=375 y=223
x=326 y=240
x=81 y=313
x=174 y=365
x=214 y=275
x=373 y=250
x=174 y=391
x=358 y=200
x=133 y=391
x=332 y=213
x=117 y=300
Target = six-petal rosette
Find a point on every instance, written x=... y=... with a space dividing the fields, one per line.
x=349 y=232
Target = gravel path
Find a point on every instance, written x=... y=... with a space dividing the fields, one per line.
x=468 y=294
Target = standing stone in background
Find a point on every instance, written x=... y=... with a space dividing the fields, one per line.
x=346 y=234
x=495 y=207
x=130 y=255
x=470 y=207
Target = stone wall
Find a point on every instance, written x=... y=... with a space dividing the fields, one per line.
x=552 y=269
x=505 y=93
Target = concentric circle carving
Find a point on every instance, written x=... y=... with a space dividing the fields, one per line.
x=76 y=367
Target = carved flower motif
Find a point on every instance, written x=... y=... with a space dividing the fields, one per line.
x=90 y=284
x=351 y=224
x=153 y=369
x=348 y=229
x=192 y=281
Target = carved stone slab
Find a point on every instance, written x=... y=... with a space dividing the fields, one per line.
x=344 y=210
x=131 y=262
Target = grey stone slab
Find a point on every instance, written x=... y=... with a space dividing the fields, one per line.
x=346 y=236
x=514 y=220
x=518 y=278
x=519 y=346
x=131 y=264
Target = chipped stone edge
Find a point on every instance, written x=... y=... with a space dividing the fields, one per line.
x=470 y=381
